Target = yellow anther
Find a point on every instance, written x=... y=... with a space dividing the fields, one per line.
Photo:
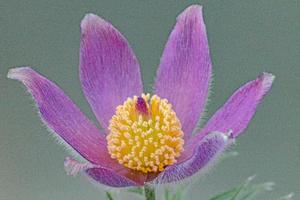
x=145 y=134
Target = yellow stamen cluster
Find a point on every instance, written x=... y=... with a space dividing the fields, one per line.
x=146 y=139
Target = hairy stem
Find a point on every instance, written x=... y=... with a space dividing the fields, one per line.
x=149 y=192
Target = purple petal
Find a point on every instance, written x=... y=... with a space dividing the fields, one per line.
x=63 y=117
x=184 y=73
x=73 y=167
x=110 y=178
x=237 y=112
x=109 y=70
x=208 y=149
x=96 y=173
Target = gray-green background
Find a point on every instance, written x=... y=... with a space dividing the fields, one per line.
x=246 y=38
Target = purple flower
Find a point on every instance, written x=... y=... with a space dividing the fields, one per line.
x=144 y=138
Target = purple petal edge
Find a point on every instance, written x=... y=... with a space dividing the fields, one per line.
x=183 y=76
x=208 y=149
x=237 y=112
x=97 y=174
x=109 y=70
x=62 y=116
x=108 y=177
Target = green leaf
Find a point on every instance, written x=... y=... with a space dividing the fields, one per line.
x=177 y=195
x=254 y=190
x=246 y=191
x=166 y=194
x=137 y=190
x=231 y=194
x=149 y=192
x=109 y=196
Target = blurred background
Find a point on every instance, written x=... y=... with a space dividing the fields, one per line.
x=246 y=38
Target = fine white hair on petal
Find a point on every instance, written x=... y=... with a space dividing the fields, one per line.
x=16 y=74
x=267 y=82
x=184 y=172
x=204 y=115
x=66 y=147
x=115 y=190
x=73 y=167
x=23 y=74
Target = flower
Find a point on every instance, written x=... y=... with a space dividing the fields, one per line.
x=144 y=138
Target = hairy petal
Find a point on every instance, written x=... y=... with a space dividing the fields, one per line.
x=97 y=174
x=185 y=68
x=63 y=117
x=108 y=177
x=237 y=112
x=208 y=149
x=73 y=167
x=109 y=70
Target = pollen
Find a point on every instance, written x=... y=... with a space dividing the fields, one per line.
x=145 y=134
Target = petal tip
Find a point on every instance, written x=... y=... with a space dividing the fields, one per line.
x=268 y=79
x=19 y=73
x=90 y=19
x=269 y=76
x=192 y=10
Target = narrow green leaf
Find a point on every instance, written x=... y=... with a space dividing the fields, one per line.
x=166 y=194
x=137 y=190
x=244 y=191
x=228 y=194
x=254 y=190
x=109 y=196
x=177 y=195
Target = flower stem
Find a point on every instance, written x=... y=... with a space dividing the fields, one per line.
x=149 y=192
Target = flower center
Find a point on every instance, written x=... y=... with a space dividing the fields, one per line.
x=145 y=134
